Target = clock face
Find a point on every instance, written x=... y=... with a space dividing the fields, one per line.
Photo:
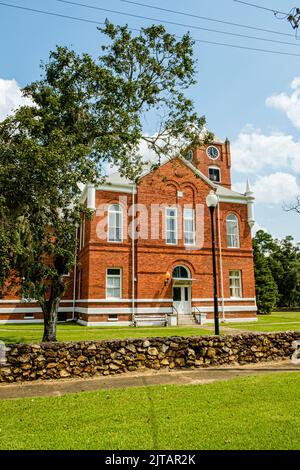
x=212 y=152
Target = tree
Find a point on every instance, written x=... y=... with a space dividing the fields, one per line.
x=282 y=257
x=266 y=288
x=86 y=113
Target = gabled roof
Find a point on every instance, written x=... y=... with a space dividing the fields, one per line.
x=225 y=194
x=115 y=178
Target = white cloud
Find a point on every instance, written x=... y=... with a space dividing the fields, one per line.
x=288 y=103
x=276 y=188
x=252 y=151
x=10 y=97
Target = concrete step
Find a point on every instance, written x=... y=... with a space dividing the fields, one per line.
x=186 y=320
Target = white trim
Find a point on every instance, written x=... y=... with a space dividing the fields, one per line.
x=104 y=323
x=122 y=300
x=118 y=188
x=228 y=299
x=91 y=301
x=105 y=311
x=241 y=308
x=16 y=322
x=31 y=309
x=109 y=301
x=234 y=320
x=239 y=200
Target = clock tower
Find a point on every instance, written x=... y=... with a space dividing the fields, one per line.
x=214 y=161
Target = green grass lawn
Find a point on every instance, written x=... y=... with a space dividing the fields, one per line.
x=277 y=321
x=30 y=333
x=257 y=412
x=72 y=332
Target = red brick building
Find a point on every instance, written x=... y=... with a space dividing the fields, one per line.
x=145 y=256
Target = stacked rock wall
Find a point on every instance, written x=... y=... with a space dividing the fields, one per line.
x=25 y=362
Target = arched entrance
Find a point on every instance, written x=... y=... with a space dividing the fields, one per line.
x=182 y=290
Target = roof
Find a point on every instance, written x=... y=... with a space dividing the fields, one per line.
x=222 y=191
x=115 y=179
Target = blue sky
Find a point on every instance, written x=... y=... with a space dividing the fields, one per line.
x=248 y=96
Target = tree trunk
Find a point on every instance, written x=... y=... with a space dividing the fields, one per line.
x=50 y=309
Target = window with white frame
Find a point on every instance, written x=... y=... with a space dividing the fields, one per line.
x=171 y=225
x=113 y=283
x=82 y=233
x=235 y=284
x=115 y=223
x=232 y=230
x=214 y=174
x=189 y=226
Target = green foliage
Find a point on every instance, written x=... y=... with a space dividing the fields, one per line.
x=277 y=261
x=266 y=288
x=86 y=114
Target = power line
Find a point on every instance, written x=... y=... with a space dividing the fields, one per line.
x=293 y=16
x=173 y=23
x=44 y=12
x=183 y=13
x=260 y=7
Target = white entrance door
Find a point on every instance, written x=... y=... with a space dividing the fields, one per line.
x=182 y=299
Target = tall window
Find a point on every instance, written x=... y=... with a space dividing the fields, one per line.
x=214 y=174
x=235 y=284
x=82 y=233
x=171 y=225
x=232 y=230
x=113 y=283
x=115 y=223
x=189 y=226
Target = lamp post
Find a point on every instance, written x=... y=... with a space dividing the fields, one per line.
x=212 y=202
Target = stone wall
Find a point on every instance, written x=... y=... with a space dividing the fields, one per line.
x=89 y=358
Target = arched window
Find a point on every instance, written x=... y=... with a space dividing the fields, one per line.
x=180 y=272
x=232 y=230
x=115 y=223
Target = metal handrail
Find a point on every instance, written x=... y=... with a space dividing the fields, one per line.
x=199 y=311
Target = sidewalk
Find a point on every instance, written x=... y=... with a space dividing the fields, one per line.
x=144 y=378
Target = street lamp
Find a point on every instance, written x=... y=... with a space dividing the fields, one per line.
x=212 y=202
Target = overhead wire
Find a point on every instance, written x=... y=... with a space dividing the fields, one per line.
x=86 y=20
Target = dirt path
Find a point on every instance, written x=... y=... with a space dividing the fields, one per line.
x=180 y=377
